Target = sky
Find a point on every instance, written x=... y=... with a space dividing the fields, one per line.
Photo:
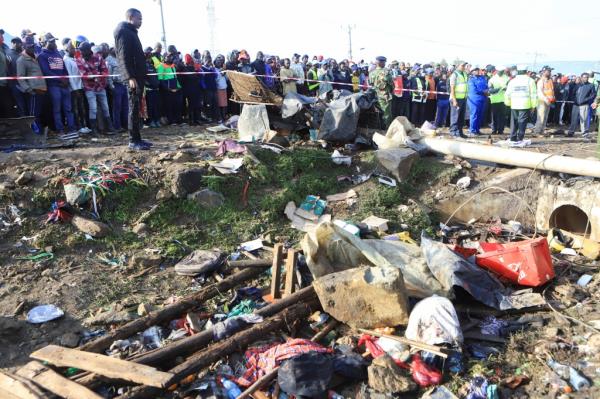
x=480 y=32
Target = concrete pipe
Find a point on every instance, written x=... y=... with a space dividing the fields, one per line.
x=515 y=157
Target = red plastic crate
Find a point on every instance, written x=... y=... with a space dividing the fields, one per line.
x=524 y=262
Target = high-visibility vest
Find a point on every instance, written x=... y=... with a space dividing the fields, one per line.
x=460 y=87
x=521 y=93
x=498 y=82
x=312 y=75
x=548 y=90
x=398 y=86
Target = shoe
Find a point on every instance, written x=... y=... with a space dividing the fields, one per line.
x=155 y=124
x=85 y=130
x=140 y=146
x=173 y=124
x=68 y=136
x=122 y=130
x=147 y=143
x=585 y=135
x=93 y=126
x=183 y=124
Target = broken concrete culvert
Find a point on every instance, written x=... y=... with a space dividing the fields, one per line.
x=194 y=280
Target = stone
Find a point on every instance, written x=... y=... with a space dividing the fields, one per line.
x=145 y=260
x=366 y=392
x=75 y=194
x=364 y=297
x=92 y=227
x=163 y=194
x=551 y=332
x=6 y=186
x=186 y=181
x=144 y=308
x=387 y=376
x=140 y=228
x=182 y=157
x=69 y=340
x=9 y=327
x=24 y=178
x=109 y=317
x=397 y=161
x=207 y=198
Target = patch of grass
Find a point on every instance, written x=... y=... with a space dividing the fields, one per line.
x=123 y=204
x=291 y=176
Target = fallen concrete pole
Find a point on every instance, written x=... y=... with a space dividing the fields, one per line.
x=515 y=157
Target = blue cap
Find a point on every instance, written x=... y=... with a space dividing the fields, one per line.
x=29 y=42
x=381 y=58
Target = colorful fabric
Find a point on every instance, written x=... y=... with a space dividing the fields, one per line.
x=262 y=360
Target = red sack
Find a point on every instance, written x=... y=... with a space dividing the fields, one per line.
x=423 y=374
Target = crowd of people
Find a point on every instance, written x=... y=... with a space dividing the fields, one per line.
x=95 y=88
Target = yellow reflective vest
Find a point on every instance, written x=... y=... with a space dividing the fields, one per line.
x=498 y=82
x=521 y=93
x=460 y=88
x=312 y=75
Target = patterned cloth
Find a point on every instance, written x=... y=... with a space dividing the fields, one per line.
x=94 y=66
x=262 y=360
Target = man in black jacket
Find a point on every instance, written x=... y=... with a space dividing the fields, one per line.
x=132 y=62
x=584 y=95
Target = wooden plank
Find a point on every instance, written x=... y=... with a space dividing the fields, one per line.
x=276 y=271
x=103 y=365
x=171 y=312
x=55 y=383
x=290 y=273
x=18 y=388
x=8 y=395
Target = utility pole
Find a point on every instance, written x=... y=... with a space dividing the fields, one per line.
x=350 y=27
x=210 y=14
x=163 y=39
x=535 y=57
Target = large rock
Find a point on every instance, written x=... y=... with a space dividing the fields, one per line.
x=364 y=297
x=109 y=317
x=75 y=194
x=24 y=178
x=387 y=376
x=397 y=161
x=207 y=198
x=186 y=181
x=92 y=227
x=145 y=260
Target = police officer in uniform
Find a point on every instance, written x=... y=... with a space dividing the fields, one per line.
x=383 y=84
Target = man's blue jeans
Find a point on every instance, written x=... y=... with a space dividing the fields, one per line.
x=61 y=103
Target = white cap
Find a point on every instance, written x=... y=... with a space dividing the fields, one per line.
x=522 y=67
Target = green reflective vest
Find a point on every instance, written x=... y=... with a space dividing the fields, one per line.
x=312 y=75
x=460 y=87
x=498 y=82
x=521 y=93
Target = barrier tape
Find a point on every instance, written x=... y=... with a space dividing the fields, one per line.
x=424 y=92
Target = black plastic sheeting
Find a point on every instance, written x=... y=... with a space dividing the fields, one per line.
x=341 y=116
x=452 y=270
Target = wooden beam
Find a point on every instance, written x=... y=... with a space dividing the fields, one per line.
x=290 y=273
x=249 y=263
x=19 y=388
x=171 y=312
x=199 y=341
x=55 y=383
x=276 y=271
x=228 y=346
x=104 y=365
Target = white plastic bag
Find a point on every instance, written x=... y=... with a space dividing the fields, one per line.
x=434 y=321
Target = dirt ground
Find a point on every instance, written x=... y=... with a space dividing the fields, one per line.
x=82 y=283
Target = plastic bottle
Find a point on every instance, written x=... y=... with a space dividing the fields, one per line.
x=569 y=373
x=233 y=391
x=578 y=381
